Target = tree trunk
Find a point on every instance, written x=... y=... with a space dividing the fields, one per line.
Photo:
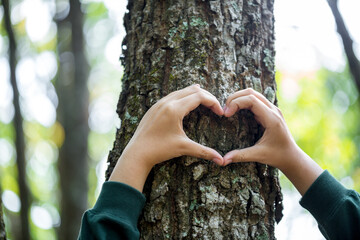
x=2 y=225
x=73 y=114
x=224 y=46
x=18 y=126
x=354 y=64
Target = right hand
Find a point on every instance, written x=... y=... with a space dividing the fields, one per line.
x=160 y=136
x=276 y=144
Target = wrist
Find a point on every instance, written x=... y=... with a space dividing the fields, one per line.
x=300 y=169
x=131 y=169
x=293 y=158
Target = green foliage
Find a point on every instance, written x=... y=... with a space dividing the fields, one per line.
x=43 y=143
x=322 y=111
x=95 y=11
x=323 y=115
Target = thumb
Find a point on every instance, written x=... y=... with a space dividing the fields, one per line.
x=195 y=149
x=250 y=154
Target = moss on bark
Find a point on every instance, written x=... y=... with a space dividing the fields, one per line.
x=224 y=46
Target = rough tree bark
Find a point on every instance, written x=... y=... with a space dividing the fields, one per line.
x=2 y=224
x=73 y=95
x=224 y=46
x=19 y=133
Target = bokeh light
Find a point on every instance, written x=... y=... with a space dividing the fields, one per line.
x=315 y=92
x=11 y=201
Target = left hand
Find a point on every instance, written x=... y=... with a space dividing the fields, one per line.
x=160 y=136
x=276 y=147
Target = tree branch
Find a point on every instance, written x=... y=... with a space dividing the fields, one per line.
x=18 y=121
x=354 y=63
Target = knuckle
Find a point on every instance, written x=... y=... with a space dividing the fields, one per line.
x=203 y=153
x=279 y=111
x=252 y=97
x=278 y=115
x=168 y=108
x=195 y=88
x=278 y=122
x=240 y=156
x=201 y=94
x=250 y=91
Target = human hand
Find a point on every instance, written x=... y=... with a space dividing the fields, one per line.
x=276 y=147
x=276 y=144
x=160 y=136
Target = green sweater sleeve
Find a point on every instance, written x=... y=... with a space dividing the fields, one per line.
x=115 y=214
x=335 y=208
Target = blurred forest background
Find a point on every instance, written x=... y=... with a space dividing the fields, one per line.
x=59 y=85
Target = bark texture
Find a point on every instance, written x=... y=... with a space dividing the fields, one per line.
x=224 y=46
x=18 y=126
x=73 y=95
x=2 y=224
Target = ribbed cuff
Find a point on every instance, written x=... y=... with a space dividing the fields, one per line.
x=120 y=199
x=323 y=196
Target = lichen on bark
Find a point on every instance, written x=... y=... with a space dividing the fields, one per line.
x=224 y=46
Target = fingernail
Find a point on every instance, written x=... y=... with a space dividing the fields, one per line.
x=217 y=161
x=226 y=110
x=198 y=85
x=228 y=161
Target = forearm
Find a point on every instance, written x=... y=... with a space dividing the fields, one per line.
x=301 y=170
x=131 y=170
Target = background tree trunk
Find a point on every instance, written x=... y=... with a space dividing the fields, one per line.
x=224 y=46
x=18 y=126
x=73 y=115
x=2 y=225
x=354 y=64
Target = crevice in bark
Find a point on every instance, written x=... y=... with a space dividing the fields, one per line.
x=165 y=83
x=219 y=45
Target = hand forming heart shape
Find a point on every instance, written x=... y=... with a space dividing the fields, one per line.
x=160 y=135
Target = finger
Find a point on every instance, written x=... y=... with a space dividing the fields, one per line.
x=279 y=112
x=246 y=92
x=195 y=149
x=207 y=92
x=183 y=92
x=250 y=154
x=189 y=103
x=262 y=113
x=217 y=108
